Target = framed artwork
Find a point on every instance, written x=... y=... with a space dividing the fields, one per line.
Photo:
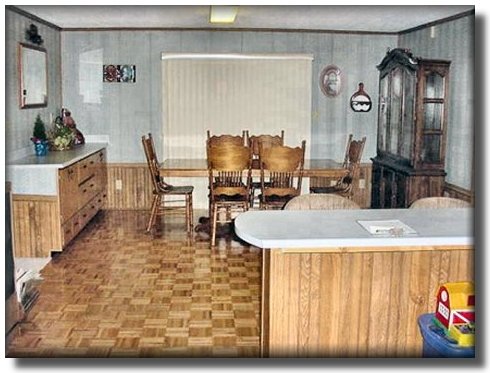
x=119 y=73
x=331 y=81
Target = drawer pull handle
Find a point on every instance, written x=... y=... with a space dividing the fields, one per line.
x=84 y=215
x=84 y=166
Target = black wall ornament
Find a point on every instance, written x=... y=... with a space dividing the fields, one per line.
x=360 y=101
x=33 y=36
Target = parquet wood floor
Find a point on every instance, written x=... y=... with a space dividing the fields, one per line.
x=117 y=291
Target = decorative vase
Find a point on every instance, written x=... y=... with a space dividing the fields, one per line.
x=41 y=148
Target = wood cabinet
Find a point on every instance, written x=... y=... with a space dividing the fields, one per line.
x=47 y=223
x=412 y=127
x=82 y=192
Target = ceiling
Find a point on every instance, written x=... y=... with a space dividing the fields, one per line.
x=368 y=18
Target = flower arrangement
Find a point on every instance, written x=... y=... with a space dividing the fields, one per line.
x=61 y=137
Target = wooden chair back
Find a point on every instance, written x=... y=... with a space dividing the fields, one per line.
x=353 y=152
x=439 y=203
x=230 y=170
x=227 y=139
x=281 y=170
x=321 y=202
x=266 y=141
x=153 y=164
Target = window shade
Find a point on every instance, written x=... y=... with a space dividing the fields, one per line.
x=228 y=94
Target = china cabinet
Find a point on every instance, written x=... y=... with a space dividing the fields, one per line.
x=412 y=126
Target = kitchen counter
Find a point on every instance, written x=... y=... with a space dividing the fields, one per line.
x=338 y=283
x=36 y=175
x=340 y=228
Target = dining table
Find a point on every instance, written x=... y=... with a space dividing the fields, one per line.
x=196 y=170
x=198 y=167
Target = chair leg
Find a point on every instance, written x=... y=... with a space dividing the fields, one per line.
x=190 y=218
x=214 y=223
x=153 y=212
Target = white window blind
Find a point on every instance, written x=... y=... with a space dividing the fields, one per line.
x=227 y=94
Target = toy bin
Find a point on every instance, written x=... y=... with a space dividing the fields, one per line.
x=437 y=344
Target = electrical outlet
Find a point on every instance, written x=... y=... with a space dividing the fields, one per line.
x=362 y=183
x=118 y=184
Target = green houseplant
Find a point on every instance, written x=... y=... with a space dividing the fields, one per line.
x=39 y=137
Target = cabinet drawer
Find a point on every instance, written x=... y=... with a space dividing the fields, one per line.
x=87 y=167
x=89 y=211
x=70 y=229
x=87 y=190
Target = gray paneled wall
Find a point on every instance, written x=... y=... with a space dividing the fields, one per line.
x=19 y=123
x=125 y=111
x=453 y=41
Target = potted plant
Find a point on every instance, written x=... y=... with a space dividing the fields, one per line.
x=39 y=137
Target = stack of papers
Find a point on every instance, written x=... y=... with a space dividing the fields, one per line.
x=387 y=228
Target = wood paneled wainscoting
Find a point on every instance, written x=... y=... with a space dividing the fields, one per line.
x=129 y=186
x=362 y=188
x=354 y=302
x=453 y=191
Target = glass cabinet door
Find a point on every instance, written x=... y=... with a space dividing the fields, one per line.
x=407 y=131
x=383 y=111
x=433 y=118
x=434 y=85
x=395 y=110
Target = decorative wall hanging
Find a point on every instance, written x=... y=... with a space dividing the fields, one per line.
x=331 y=81
x=360 y=101
x=119 y=73
x=33 y=36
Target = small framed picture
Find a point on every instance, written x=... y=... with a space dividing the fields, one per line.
x=119 y=73
x=331 y=81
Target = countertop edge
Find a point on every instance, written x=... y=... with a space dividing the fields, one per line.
x=79 y=153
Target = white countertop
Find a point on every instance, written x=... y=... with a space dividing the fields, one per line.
x=38 y=175
x=340 y=228
x=57 y=159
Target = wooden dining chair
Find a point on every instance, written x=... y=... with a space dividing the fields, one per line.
x=227 y=139
x=160 y=205
x=281 y=174
x=321 y=202
x=230 y=173
x=439 y=203
x=352 y=160
x=256 y=142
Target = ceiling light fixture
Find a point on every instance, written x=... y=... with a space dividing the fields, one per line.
x=222 y=14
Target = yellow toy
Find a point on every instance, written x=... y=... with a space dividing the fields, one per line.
x=455 y=311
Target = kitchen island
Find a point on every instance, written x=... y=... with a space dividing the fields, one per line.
x=352 y=283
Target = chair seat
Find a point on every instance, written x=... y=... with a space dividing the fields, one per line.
x=184 y=189
x=277 y=200
x=233 y=198
x=329 y=189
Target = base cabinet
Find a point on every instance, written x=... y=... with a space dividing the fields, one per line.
x=354 y=302
x=43 y=224
x=395 y=186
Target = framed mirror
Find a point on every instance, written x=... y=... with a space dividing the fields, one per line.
x=33 y=79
